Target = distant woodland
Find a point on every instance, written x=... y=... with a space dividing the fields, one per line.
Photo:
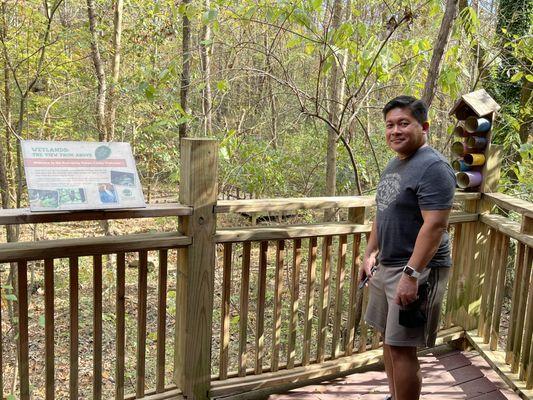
x=293 y=90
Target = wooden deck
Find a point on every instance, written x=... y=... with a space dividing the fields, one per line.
x=447 y=376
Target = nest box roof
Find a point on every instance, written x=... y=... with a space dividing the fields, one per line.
x=479 y=102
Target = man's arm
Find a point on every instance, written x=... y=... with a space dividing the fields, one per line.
x=371 y=252
x=426 y=245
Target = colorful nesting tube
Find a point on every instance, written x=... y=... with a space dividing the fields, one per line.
x=474 y=159
x=460 y=131
x=477 y=125
x=468 y=179
x=476 y=142
x=460 y=149
x=459 y=165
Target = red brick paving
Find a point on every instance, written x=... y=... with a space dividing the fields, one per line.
x=454 y=375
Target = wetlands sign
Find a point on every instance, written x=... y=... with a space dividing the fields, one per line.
x=81 y=175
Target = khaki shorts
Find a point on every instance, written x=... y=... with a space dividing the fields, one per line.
x=383 y=313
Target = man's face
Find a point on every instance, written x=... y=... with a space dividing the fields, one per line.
x=403 y=132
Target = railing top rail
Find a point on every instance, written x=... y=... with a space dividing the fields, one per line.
x=64 y=248
x=511 y=203
x=25 y=216
x=306 y=203
x=507 y=227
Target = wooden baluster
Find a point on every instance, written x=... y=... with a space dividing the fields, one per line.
x=352 y=318
x=451 y=297
x=276 y=333
x=1 y=347
x=341 y=270
x=323 y=298
x=120 y=336
x=363 y=324
x=22 y=268
x=487 y=283
x=498 y=297
x=526 y=359
x=49 y=328
x=518 y=309
x=97 y=327
x=74 y=320
x=141 y=322
x=295 y=291
x=224 y=315
x=161 y=320
x=492 y=288
x=260 y=316
x=243 y=321
x=309 y=300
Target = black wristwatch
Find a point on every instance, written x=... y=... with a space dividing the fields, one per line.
x=413 y=273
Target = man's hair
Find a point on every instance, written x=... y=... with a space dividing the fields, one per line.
x=418 y=109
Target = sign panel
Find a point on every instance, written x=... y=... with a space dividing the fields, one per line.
x=81 y=175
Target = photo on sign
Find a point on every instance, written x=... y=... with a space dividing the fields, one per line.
x=107 y=193
x=122 y=178
x=72 y=196
x=44 y=198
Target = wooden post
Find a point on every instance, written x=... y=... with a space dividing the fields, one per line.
x=195 y=280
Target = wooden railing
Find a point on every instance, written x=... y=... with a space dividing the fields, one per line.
x=258 y=309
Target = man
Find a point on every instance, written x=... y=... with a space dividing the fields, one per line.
x=408 y=245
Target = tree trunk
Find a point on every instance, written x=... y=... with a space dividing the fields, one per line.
x=438 y=51
x=185 y=72
x=115 y=70
x=206 y=48
x=333 y=111
x=100 y=74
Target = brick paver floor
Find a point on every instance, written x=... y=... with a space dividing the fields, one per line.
x=450 y=376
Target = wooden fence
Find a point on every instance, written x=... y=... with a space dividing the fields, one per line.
x=282 y=308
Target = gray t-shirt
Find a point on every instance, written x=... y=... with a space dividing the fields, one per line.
x=423 y=181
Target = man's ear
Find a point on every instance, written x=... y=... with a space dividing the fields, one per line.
x=425 y=127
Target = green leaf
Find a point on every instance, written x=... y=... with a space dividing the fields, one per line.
x=11 y=297
x=11 y=397
x=149 y=92
x=516 y=77
x=41 y=321
x=529 y=77
x=223 y=85
x=316 y=4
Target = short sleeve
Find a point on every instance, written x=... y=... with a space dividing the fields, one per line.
x=436 y=188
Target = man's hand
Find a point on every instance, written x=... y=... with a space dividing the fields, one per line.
x=406 y=291
x=366 y=269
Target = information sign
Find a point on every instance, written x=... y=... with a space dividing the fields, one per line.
x=81 y=175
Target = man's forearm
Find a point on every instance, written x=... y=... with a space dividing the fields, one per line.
x=372 y=242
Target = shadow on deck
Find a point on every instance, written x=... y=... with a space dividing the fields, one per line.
x=447 y=374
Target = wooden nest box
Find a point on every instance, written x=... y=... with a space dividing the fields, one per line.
x=476 y=162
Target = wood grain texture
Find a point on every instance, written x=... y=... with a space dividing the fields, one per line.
x=323 y=298
x=142 y=292
x=120 y=333
x=74 y=330
x=510 y=203
x=49 y=323
x=518 y=309
x=224 y=314
x=526 y=356
x=309 y=300
x=10 y=252
x=161 y=320
x=507 y=227
x=243 y=318
x=487 y=283
x=260 y=315
x=22 y=311
x=278 y=287
x=194 y=301
x=339 y=292
x=1 y=348
x=352 y=305
x=492 y=287
x=25 y=216
x=498 y=296
x=97 y=327
x=295 y=294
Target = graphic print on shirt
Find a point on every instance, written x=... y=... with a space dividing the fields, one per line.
x=388 y=190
